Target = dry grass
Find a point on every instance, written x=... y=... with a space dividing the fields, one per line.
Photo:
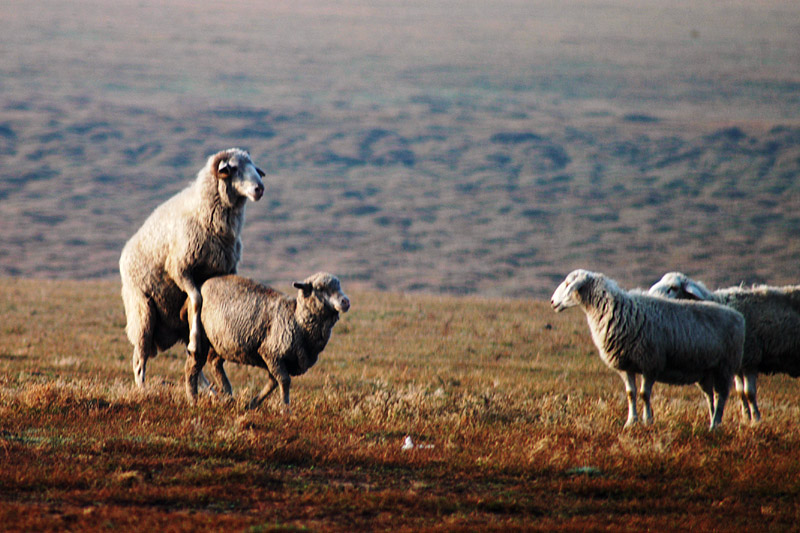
x=522 y=426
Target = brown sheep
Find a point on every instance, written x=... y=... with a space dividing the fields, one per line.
x=249 y=323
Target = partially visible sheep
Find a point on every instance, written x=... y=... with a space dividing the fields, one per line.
x=249 y=323
x=666 y=341
x=772 y=328
x=191 y=237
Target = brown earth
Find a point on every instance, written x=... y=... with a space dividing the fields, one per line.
x=519 y=427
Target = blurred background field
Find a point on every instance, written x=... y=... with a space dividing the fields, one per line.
x=457 y=147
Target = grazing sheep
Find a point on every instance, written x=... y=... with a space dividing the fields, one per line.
x=191 y=237
x=249 y=323
x=772 y=328
x=666 y=341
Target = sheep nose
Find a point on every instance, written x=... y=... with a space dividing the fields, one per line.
x=345 y=304
x=259 y=191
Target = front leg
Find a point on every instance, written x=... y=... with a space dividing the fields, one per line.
x=281 y=375
x=630 y=389
x=266 y=391
x=707 y=386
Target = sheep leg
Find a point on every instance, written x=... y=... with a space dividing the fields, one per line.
x=644 y=393
x=266 y=391
x=722 y=386
x=738 y=380
x=630 y=389
x=140 y=329
x=278 y=372
x=750 y=394
x=192 y=369
x=218 y=372
x=186 y=283
x=707 y=385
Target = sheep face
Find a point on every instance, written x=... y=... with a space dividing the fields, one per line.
x=244 y=176
x=679 y=286
x=323 y=290
x=568 y=294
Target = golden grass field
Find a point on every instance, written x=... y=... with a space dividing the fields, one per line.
x=520 y=422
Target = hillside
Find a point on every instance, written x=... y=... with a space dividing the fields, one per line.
x=437 y=147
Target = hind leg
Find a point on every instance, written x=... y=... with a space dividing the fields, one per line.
x=749 y=394
x=192 y=370
x=217 y=372
x=644 y=394
x=738 y=380
x=140 y=329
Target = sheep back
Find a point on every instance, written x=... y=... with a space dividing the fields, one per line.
x=772 y=315
x=674 y=342
x=250 y=323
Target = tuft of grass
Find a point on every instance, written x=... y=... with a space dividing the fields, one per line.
x=516 y=423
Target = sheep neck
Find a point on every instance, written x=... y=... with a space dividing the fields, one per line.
x=316 y=320
x=615 y=324
x=226 y=215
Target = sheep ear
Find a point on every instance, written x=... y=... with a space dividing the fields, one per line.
x=260 y=172
x=223 y=170
x=305 y=287
x=692 y=289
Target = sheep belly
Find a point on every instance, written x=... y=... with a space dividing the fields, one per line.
x=234 y=337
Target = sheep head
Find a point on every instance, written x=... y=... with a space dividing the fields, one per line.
x=323 y=291
x=235 y=167
x=679 y=286
x=570 y=292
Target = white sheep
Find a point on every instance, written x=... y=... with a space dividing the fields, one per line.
x=191 y=237
x=664 y=340
x=772 y=328
x=249 y=323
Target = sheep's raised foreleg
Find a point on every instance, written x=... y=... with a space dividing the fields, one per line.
x=195 y=303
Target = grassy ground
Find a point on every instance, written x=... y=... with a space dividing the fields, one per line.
x=520 y=426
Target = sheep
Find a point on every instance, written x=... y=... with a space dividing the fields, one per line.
x=666 y=341
x=772 y=320
x=191 y=237
x=249 y=323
